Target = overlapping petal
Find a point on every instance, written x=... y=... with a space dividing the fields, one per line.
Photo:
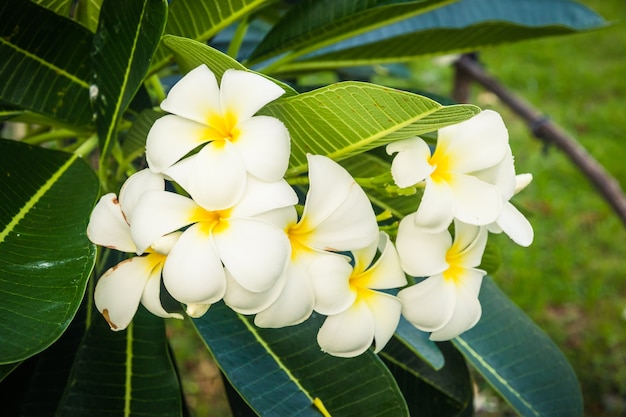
x=245 y=301
x=429 y=304
x=437 y=207
x=108 y=227
x=331 y=281
x=410 y=166
x=421 y=253
x=134 y=187
x=348 y=334
x=244 y=93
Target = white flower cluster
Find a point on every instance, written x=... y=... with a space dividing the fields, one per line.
x=212 y=218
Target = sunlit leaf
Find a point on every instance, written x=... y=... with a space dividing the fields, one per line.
x=126 y=373
x=189 y=54
x=459 y=27
x=345 y=119
x=60 y=7
x=39 y=72
x=201 y=20
x=88 y=13
x=45 y=256
x=127 y=37
x=290 y=362
x=519 y=360
x=312 y=24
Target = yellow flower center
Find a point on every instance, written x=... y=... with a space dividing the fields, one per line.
x=211 y=221
x=455 y=270
x=297 y=235
x=442 y=163
x=222 y=128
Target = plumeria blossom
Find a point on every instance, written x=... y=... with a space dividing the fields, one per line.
x=358 y=314
x=446 y=302
x=511 y=221
x=236 y=143
x=216 y=243
x=138 y=279
x=337 y=216
x=452 y=190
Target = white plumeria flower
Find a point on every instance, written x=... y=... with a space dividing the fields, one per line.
x=364 y=314
x=337 y=216
x=120 y=289
x=511 y=221
x=253 y=251
x=452 y=191
x=236 y=143
x=446 y=302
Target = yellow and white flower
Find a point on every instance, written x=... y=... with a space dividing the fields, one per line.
x=451 y=188
x=358 y=314
x=138 y=279
x=235 y=143
x=446 y=301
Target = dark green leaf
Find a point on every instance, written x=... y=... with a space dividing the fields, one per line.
x=60 y=7
x=459 y=27
x=189 y=54
x=126 y=373
x=312 y=24
x=7 y=368
x=345 y=119
x=429 y=392
x=519 y=360
x=45 y=62
x=201 y=20
x=45 y=256
x=127 y=36
x=290 y=362
x=134 y=144
x=418 y=342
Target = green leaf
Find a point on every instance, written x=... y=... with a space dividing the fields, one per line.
x=459 y=27
x=60 y=7
x=519 y=360
x=189 y=54
x=127 y=373
x=290 y=362
x=419 y=343
x=134 y=144
x=127 y=37
x=201 y=20
x=345 y=119
x=7 y=368
x=88 y=13
x=45 y=256
x=431 y=393
x=39 y=72
x=312 y=24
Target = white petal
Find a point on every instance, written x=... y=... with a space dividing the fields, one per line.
x=436 y=210
x=330 y=275
x=170 y=138
x=195 y=96
x=260 y=197
x=283 y=218
x=244 y=93
x=215 y=177
x=410 y=165
x=469 y=243
x=386 y=272
x=193 y=273
x=347 y=334
x=108 y=227
x=429 y=305
x=502 y=175
x=386 y=310
x=119 y=290
x=422 y=254
x=476 y=202
x=294 y=304
x=515 y=225
x=248 y=302
x=475 y=144
x=253 y=251
x=522 y=181
x=264 y=145
x=337 y=211
x=135 y=186
x=151 y=297
x=197 y=310
x=466 y=314
x=159 y=213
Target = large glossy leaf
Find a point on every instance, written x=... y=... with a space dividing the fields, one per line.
x=189 y=54
x=312 y=24
x=127 y=373
x=38 y=70
x=201 y=20
x=45 y=256
x=519 y=360
x=60 y=7
x=280 y=372
x=127 y=36
x=345 y=119
x=431 y=393
x=88 y=13
x=463 y=26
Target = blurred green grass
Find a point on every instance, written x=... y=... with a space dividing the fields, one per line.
x=572 y=280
